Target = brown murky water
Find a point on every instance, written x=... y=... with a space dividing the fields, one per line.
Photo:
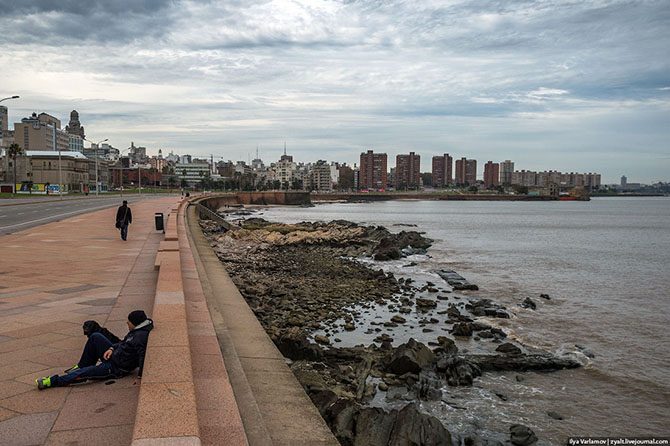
x=605 y=264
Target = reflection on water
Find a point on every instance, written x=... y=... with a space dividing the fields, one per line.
x=605 y=265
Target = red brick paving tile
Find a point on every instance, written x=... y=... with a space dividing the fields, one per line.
x=26 y=430
x=63 y=358
x=36 y=401
x=98 y=436
x=216 y=428
x=18 y=368
x=170 y=333
x=169 y=312
x=208 y=366
x=167 y=364
x=205 y=345
x=98 y=406
x=6 y=414
x=62 y=327
x=11 y=388
x=166 y=410
x=33 y=354
x=71 y=343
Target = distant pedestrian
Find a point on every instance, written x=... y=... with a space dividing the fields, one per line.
x=124 y=217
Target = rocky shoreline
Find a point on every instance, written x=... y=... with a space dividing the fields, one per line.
x=306 y=287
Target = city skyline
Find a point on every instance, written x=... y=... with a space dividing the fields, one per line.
x=551 y=85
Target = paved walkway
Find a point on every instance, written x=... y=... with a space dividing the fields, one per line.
x=52 y=278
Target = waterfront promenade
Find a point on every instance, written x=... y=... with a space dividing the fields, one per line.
x=54 y=277
x=208 y=379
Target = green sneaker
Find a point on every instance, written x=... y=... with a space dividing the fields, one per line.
x=71 y=369
x=43 y=383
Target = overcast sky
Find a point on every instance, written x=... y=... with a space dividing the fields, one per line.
x=568 y=85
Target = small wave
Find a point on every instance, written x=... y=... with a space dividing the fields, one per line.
x=575 y=353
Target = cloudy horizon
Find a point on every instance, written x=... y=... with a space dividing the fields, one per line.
x=562 y=85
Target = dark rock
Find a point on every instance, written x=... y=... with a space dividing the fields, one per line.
x=554 y=415
x=509 y=349
x=373 y=427
x=521 y=363
x=501 y=396
x=398 y=319
x=447 y=345
x=425 y=303
x=320 y=339
x=497 y=332
x=376 y=427
x=410 y=357
x=528 y=303
x=457 y=370
x=349 y=327
x=462 y=329
x=521 y=435
x=293 y=344
x=545 y=296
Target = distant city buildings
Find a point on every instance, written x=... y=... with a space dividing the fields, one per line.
x=506 y=170
x=373 y=171
x=529 y=178
x=442 y=170
x=466 y=172
x=74 y=127
x=408 y=171
x=41 y=132
x=76 y=144
x=320 y=177
x=491 y=175
x=4 y=125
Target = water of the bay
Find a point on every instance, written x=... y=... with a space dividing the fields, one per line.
x=605 y=264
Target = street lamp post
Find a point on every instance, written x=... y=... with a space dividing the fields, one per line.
x=10 y=97
x=60 y=172
x=97 y=183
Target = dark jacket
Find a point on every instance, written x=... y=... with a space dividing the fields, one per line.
x=129 y=353
x=124 y=215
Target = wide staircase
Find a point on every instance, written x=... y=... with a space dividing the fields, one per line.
x=212 y=376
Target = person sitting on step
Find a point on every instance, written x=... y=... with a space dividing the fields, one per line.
x=116 y=359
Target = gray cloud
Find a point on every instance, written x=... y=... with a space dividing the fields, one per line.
x=485 y=79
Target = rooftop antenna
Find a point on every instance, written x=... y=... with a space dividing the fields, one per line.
x=284 y=147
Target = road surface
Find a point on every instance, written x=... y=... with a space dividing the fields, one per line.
x=23 y=215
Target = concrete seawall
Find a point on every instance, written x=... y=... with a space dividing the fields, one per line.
x=375 y=196
x=274 y=408
x=218 y=200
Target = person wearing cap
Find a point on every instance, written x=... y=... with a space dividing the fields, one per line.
x=116 y=360
x=124 y=217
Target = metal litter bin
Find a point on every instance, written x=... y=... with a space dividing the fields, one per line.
x=159 y=221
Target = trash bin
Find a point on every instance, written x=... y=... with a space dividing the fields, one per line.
x=159 y=221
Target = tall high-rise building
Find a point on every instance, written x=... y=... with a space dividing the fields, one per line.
x=408 y=171
x=466 y=171
x=373 y=171
x=491 y=174
x=75 y=127
x=506 y=170
x=442 y=170
x=624 y=181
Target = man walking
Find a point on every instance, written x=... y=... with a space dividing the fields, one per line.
x=116 y=360
x=124 y=217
